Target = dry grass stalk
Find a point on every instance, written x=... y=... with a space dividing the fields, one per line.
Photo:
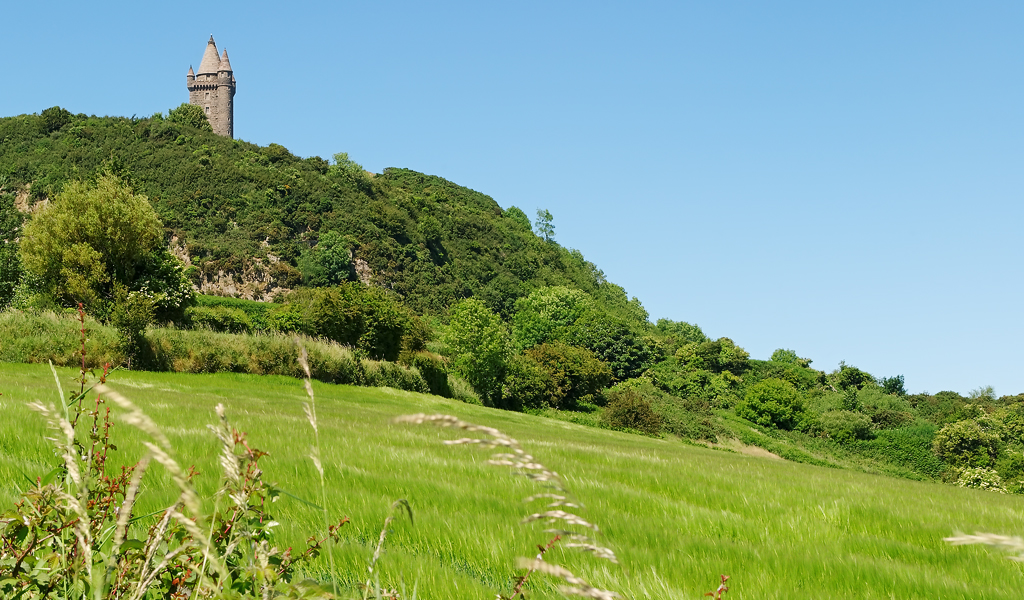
x=522 y=463
x=1006 y=543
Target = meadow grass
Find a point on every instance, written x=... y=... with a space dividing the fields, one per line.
x=677 y=516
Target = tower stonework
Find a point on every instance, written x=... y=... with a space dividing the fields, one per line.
x=213 y=89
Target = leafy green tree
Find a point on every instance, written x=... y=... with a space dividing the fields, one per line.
x=578 y=375
x=627 y=353
x=893 y=385
x=53 y=118
x=718 y=356
x=191 y=115
x=528 y=385
x=517 y=216
x=789 y=357
x=772 y=403
x=847 y=377
x=677 y=334
x=327 y=263
x=478 y=346
x=539 y=316
x=545 y=225
x=93 y=237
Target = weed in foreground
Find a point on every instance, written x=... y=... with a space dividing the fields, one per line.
x=73 y=534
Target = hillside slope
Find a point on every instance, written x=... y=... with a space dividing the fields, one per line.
x=676 y=515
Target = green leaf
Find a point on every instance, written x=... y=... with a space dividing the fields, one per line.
x=49 y=477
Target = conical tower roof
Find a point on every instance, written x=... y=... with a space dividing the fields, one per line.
x=211 y=62
x=225 y=64
x=191 y=73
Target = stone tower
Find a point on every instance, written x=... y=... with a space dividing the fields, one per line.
x=213 y=88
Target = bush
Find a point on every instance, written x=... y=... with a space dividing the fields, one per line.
x=772 y=403
x=909 y=447
x=577 y=374
x=717 y=389
x=219 y=318
x=528 y=385
x=433 y=369
x=393 y=375
x=966 y=444
x=628 y=409
x=845 y=426
x=980 y=478
x=191 y=115
x=688 y=418
x=463 y=391
x=132 y=313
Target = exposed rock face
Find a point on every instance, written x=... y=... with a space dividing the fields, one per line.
x=253 y=283
x=363 y=270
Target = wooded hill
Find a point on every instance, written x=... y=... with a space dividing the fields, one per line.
x=402 y=266
x=251 y=211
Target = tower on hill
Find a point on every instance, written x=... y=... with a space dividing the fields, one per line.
x=213 y=88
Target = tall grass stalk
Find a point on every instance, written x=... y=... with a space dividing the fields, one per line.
x=314 y=455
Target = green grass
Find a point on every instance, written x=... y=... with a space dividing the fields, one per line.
x=677 y=515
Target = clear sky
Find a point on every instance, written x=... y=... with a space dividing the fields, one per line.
x=844 y=179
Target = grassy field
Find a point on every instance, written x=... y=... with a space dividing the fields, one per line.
x=677 y=515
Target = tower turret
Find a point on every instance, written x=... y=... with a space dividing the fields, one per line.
x=213 y=89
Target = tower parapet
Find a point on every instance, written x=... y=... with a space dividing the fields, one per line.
x=213 y=89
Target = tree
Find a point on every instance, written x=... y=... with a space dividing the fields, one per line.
x=540 y=315
x=328 y=263
x=893 y=385
x=191 y=115
x=545 y=228
x=53 y=118
x=789 y=357
x=578 y=375
x=94 y=237
x=479 y=347
x=772 y=403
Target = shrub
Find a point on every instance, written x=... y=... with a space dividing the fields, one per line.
x=433 y=369
x=628 y=409
x=393 y=375
x=191 y=115
x=966 y=444
x=845 y=426
x=528 y=385
x=688 y=418
x=717 y=389
x=980 y=478
x=720 y=355
x=462 y=390
x=219 y=318
x=132 y=313
x=772 y=403
x=908 y=447
x=577 y=374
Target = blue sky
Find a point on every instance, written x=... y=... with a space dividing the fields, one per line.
x=840 y=178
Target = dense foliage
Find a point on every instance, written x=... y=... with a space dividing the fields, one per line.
x=129 y=216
